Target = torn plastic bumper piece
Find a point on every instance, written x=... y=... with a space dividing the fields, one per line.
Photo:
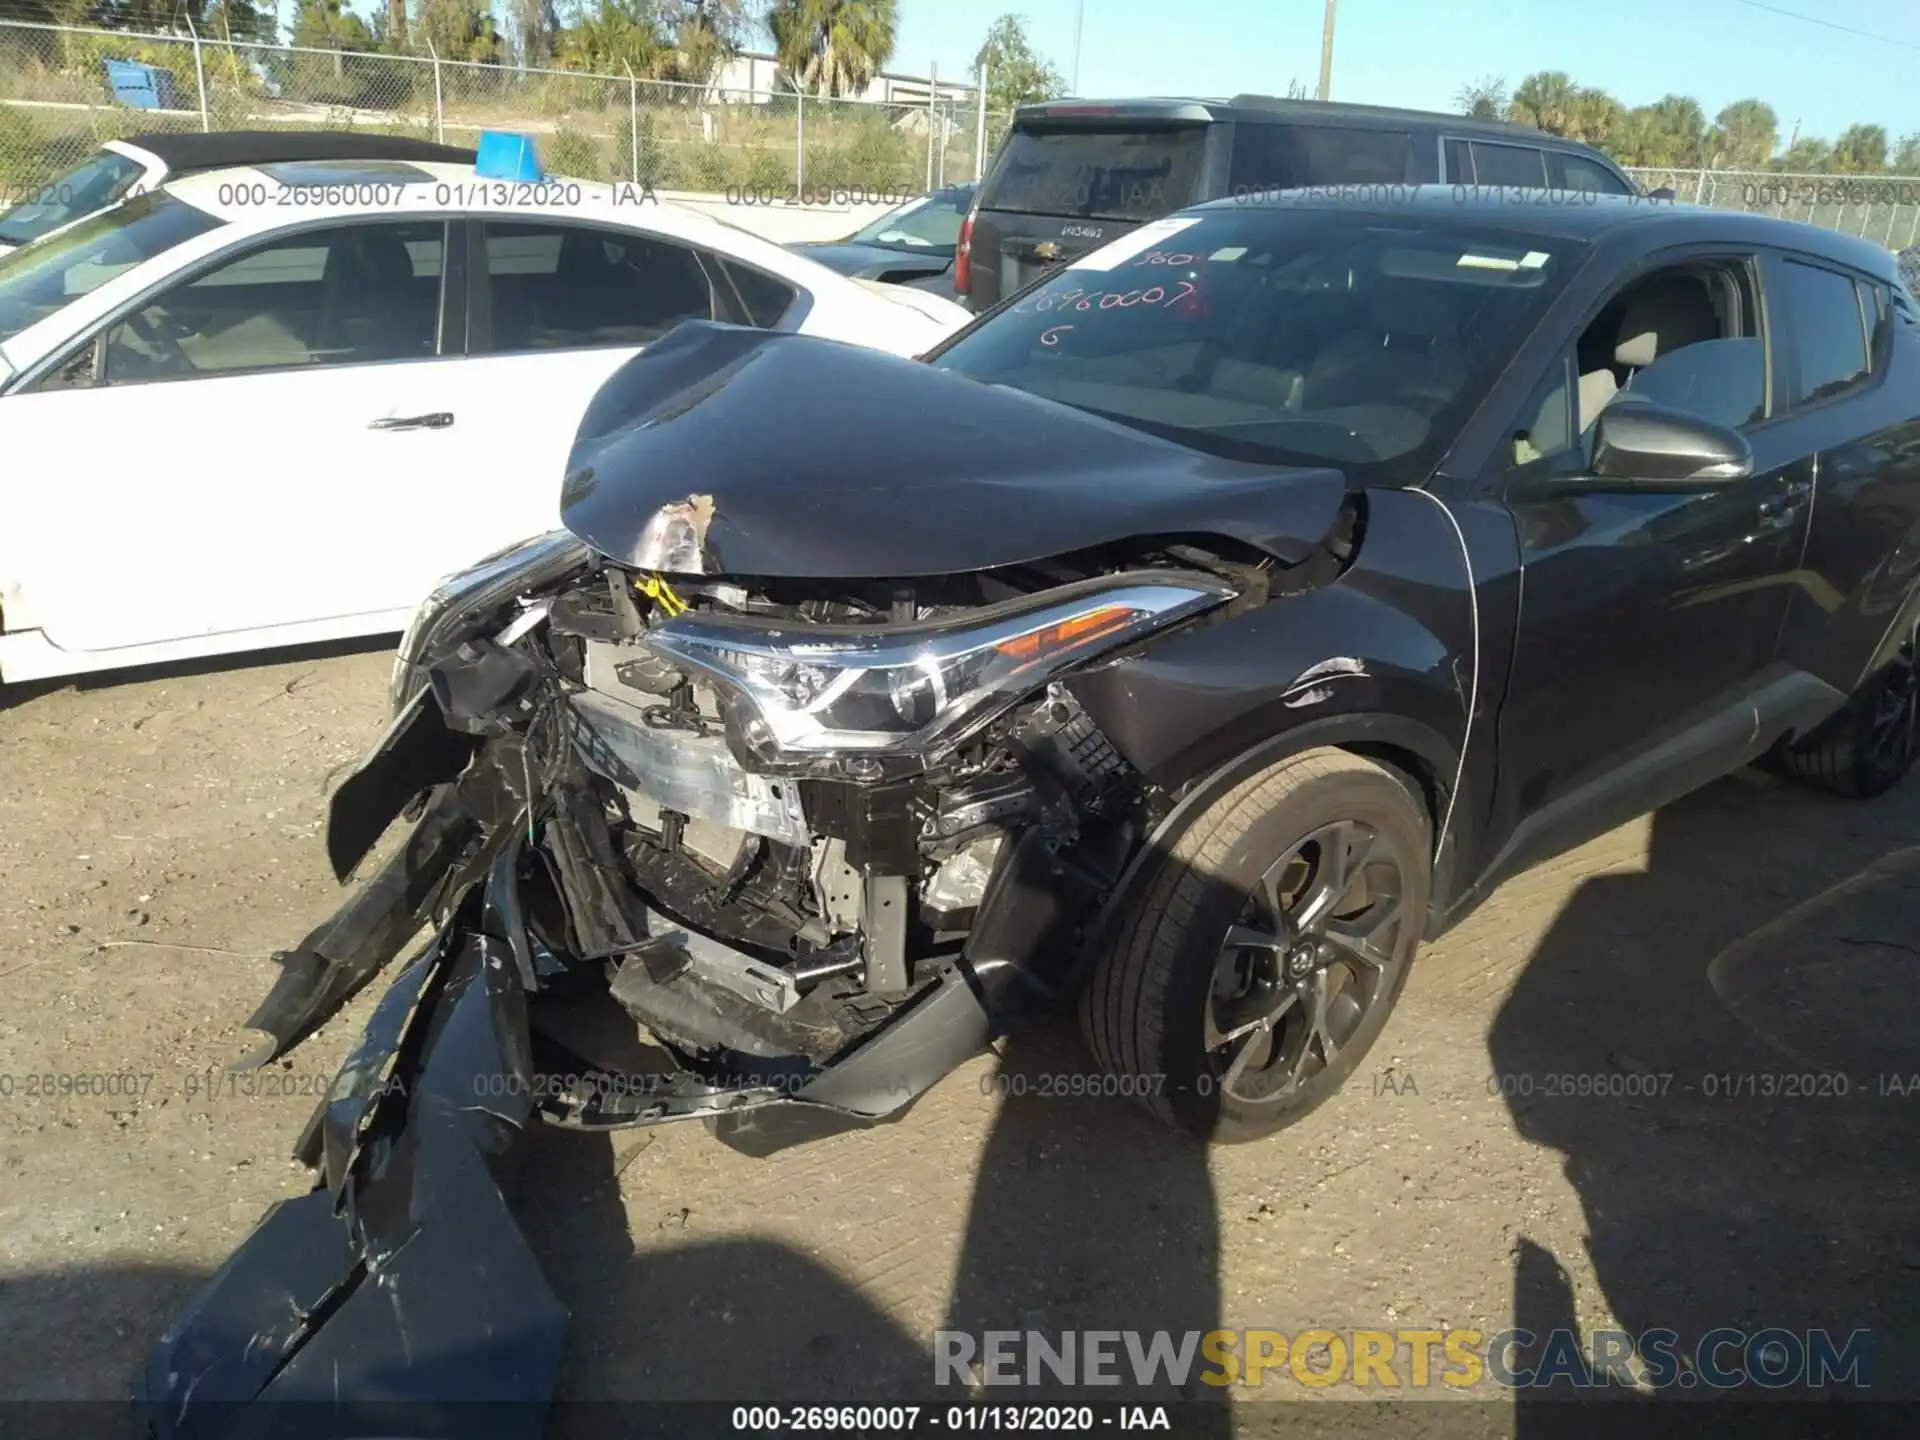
x=398 y=1298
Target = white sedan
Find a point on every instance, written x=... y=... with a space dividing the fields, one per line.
x=274 y=405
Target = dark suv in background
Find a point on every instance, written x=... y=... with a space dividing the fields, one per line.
x=1072 y=175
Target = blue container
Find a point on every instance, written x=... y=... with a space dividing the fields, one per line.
x=503 y=155
x=140 y=87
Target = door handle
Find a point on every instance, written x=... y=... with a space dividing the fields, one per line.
x=438 y=420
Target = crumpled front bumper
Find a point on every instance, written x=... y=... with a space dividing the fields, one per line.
x=398 y=1298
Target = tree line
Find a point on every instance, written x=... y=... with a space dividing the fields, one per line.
x=1674 y=132
x=824 y=47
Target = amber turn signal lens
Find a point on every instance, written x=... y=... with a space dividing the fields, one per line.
x=1080 y=628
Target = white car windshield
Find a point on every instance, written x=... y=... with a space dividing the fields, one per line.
x=38 y=279
x=97 y=182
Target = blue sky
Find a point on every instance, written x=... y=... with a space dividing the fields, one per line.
x=1419 y=52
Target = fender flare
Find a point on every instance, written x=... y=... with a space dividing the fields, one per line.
x=1346 y=731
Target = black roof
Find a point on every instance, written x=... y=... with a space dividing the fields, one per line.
x=1573 y=215
x=1274 y=108
x=221 y=148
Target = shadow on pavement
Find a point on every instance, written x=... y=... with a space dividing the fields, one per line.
x=1717 y=1046
x=1086 y=1214
x=21 y=692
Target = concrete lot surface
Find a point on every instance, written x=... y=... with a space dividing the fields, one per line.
x=1600 y=1104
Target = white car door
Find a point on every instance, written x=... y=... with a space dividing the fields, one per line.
x=257 y=446
x=565 y=305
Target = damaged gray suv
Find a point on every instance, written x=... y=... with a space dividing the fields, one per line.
x=1156 y=649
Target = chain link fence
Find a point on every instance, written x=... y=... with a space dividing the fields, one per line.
x=57 y=104
x=1881 y=208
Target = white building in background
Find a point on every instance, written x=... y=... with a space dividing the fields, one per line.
x=755 y=73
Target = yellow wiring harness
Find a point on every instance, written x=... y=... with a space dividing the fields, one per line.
x=657 y=590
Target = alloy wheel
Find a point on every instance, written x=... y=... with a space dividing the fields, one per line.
x=1314 y=951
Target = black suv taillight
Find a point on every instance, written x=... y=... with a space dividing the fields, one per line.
x=963 y=258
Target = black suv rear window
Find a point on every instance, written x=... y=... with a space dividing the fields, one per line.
x=1097 y=174
x=1289 y=157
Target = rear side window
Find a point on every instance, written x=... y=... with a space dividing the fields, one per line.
x=1097 y=174
x=1577 y=172
x=566 y=287
x=765 y=298
x=1283 y=157
x=1825 y=330
x=1508 y=165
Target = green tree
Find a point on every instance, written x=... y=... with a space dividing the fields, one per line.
x=213 y=19
x=1016 y=74
x=1639 y=138
x=704 y=35
x=1483 y=99
x=1593 y=116
x=1744 y=134
x=458 y=30
x=1546 y=101
x=328 y=25
x=1906 y=155
x=1805 y=156
x=1861 y=149
x=1683 y=124
x=613 y=36
x=832 y=47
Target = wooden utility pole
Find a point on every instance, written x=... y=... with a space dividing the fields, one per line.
x=1326 y=53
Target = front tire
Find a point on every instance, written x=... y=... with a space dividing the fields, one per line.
x=1258 y=961
x=1869 y=747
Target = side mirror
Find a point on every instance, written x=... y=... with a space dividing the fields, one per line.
x=1658 y=448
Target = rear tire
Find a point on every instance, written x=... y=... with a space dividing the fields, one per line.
x=1869 y=747
x=1258 y=961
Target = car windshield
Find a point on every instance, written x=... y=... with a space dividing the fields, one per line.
x=39 y=279
x=1274 y=335
x=95 y=183
x=929 y=225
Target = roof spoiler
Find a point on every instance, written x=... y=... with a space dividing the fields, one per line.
x=1095 y=113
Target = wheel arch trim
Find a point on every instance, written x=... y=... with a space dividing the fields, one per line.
x=1425 y=759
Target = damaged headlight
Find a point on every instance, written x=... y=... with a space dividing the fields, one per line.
x=462 y=605
x=826 y=688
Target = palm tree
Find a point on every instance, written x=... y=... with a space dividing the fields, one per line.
x=1593 y=116
x=612 y=38
x=1860 y=149
x=1745 y=134
x=1685 y=126
x=1545 y=100
x=1638 y=138
x=1805 y=156
x=832 y=47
